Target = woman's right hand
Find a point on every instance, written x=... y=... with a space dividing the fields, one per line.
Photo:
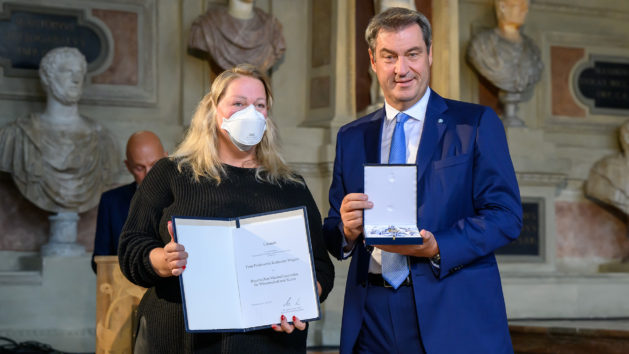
x=170 y=260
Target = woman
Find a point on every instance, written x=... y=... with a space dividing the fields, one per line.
x=228 y=165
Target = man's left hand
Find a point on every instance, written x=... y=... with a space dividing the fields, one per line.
x=428 y=248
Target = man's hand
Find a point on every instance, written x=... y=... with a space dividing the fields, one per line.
x=428 y=249
x=352 y=215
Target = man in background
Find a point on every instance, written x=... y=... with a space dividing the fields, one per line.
x=144 y=149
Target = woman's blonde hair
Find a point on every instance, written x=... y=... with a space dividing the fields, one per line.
x=199 y=149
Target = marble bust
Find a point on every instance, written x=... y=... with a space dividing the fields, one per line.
x=59 y=160
x=240 y=33
x=381 y=5
x=608 y=181
x=506 y=57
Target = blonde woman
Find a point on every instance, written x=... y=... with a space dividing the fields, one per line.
x=228 y=165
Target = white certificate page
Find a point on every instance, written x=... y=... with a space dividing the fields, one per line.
x=275 y=272
x=209 y=282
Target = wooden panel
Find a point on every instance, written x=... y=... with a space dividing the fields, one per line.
x=116 y=301
x=529 y=339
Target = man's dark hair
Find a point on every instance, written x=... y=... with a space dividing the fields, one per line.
x=396 y=18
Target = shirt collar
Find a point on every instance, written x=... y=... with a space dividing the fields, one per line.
x=417 y=111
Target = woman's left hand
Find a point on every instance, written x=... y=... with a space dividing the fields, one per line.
x=286 y=327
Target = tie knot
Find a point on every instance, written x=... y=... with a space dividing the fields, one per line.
x=402 y=117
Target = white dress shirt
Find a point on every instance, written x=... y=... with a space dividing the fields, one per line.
x=412 y=132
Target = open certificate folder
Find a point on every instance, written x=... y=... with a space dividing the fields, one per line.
x=244 y=273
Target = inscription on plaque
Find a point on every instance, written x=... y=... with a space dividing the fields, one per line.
x=529 y=242
x=28 y=33
x=603 y=85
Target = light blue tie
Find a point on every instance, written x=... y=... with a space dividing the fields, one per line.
x=394 y=266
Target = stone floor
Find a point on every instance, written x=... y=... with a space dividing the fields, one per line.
x=621 y=324
x=608 y=336
x=324 y=350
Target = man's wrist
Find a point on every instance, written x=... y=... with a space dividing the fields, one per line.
x=349 y=244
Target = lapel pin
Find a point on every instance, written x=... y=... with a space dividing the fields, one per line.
x=440 y=120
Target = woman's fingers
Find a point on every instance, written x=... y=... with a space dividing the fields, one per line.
x=298 y=324
x=286 y=327
x=170 y=231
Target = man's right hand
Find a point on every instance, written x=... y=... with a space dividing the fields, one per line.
x=352 y=215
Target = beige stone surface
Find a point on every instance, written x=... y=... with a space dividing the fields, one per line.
x=589 y=231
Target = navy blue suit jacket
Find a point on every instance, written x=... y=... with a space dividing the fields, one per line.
x=468 y=197
x=112 y=214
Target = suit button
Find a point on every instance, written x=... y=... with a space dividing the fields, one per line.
x=363 y=284
x=455 y=269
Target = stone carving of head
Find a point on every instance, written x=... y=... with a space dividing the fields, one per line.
x=511 y=12
x=241 y=9
x=382 y=5
x=62 y=71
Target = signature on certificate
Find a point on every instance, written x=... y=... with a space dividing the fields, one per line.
x=292 y=302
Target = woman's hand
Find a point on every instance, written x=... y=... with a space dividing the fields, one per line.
x=286 y=327
x=170 y=260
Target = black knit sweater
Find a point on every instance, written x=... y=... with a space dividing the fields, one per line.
x=165 y=192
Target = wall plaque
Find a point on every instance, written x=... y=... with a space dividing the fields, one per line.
x=27 y=33
x=603 y=85
x=530 y=242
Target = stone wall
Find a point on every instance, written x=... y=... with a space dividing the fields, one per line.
x=563 y=136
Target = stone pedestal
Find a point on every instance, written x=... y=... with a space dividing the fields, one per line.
x=53 y=306
x=63 y=234
x=510 y=102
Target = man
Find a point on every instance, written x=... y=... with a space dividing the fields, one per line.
x=144 y=149
x=468 y=205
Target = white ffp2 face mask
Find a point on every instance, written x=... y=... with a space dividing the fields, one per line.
x=245 y=128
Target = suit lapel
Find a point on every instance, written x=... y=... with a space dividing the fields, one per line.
x=372 y=141
x=373 y=133
x=434 y=127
